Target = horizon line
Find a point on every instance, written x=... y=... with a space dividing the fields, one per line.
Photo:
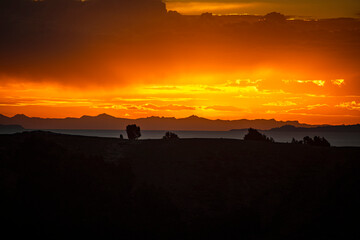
x=196 y=116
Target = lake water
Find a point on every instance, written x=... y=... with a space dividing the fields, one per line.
x=339 y=139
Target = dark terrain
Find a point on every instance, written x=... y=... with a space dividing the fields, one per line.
x=9 y=129
x=61 y=186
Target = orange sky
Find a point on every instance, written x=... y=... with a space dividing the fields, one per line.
x=305 y=8
x=176 y=66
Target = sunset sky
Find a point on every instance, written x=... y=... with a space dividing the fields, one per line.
x=304 y=8
x=130 y=58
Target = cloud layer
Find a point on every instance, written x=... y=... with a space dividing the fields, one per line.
x=82 y=57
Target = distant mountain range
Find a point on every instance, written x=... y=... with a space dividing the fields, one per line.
x=20 y=122
x=104 y=121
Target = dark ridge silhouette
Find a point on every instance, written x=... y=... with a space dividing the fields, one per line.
x=105 y=121
x=54 y=184
x=254 y=135
x=170 y=136
x=133 y=132
x=6 y=129
x=339 y=128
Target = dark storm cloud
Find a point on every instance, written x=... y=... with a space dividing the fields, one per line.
x=52 y=37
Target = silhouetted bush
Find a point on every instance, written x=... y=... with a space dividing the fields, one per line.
x=133 y=132
x=274 y=17
x=254 y=135
x=320 y=141
x=294 y=141
x=170 y=136
x=121 y=137
x=316 y=141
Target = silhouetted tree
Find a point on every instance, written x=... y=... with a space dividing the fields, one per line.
x=294 y=141
x=174 y=14
x=254 y=135
x=308 y=140
x=317 y=141
x=321 y=141
x=170 y=136
x=133 y=132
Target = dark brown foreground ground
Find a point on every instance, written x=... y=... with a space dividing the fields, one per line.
x=65 y=186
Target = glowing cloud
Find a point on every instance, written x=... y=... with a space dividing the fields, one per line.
x=280 y=104
x=353 y=105
x=320 y=83
x=193 y=7
x=136 y=59
x=314 y=106
x=338 y=82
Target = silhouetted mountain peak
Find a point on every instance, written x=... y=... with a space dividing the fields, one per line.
x=100 y=116
x=3 y=116
x=157 y=118
x=20 y=116
x=194 y=117
x=104 y=115
x=288 y=127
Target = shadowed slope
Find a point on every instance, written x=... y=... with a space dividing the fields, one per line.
x=190 y=189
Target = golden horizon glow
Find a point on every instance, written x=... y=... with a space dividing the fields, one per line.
x=211 y=97
x=138 y=60
x=196 y=8
x=299 y=8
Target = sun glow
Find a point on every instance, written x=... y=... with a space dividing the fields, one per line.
x=216 y=96
x=193 y=8
x=131 y=60
x=338 y=82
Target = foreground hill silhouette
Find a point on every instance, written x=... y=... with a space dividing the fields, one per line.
x=56 y=185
